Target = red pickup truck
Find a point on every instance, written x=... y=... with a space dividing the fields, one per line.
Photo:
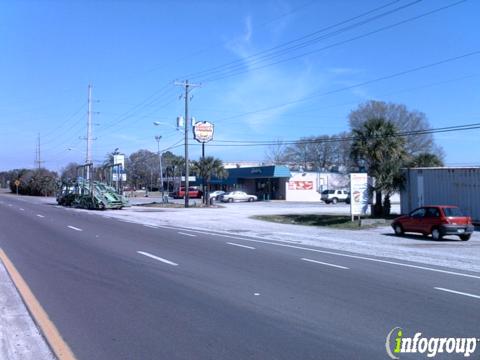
x=192 y=193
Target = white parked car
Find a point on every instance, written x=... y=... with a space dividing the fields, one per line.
x=237 y=196
x=334 y=196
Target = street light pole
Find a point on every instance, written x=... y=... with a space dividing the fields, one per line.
x=158 y=137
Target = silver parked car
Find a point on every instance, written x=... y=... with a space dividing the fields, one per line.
x=216 y=194
x=237 y=196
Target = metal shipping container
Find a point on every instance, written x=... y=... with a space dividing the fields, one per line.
x=442 y=186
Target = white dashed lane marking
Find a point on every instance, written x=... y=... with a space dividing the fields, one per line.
x=242 y=246
x=186 y=234
x=157 y=258
x=324 y=263
x=74 y=228
x=458 y=292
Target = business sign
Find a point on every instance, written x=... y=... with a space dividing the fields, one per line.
x=358 y=194
x=203 y=131
x=119 y=159
x=300 y=185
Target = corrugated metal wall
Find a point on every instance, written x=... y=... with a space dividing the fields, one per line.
x=443 y=186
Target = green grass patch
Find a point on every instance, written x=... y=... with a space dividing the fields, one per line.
x=333 y=221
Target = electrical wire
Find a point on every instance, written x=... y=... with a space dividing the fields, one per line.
x=279 y=48
x=315 y=95
x=243 y=143
x=358 y=37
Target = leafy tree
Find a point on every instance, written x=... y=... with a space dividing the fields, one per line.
x=207 y=168
x=4 y=178
x=143 y=168
x=377 y=147
x=38 y=182
x=175 y=168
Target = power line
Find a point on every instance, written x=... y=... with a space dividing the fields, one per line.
x=317 y=140
x=273 y=50
x=368 y=82
x=381 y=29
x=152 y=99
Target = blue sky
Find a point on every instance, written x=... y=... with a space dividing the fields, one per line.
x=132 y=51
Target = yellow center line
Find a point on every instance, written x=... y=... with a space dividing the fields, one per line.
x=50 y=332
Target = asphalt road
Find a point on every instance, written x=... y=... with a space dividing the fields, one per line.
x=118 y=290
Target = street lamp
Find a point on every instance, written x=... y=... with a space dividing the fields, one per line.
x=158 y=138
x=159 y=123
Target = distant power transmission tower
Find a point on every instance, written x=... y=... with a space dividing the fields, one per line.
x=38 y=157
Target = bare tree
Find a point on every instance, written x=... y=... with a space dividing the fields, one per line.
x=321 y=153
x=69 y=172
x=276 y=153
x=405 y=121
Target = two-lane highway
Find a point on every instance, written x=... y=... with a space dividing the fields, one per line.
x=119 y=290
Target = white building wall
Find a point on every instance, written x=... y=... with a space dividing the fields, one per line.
x=307 y=186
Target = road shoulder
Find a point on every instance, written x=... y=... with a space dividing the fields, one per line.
x=19 y=337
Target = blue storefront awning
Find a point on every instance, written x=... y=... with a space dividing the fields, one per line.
x=258 y=172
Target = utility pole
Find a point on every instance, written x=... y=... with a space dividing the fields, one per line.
x=158 y=137
x=88 y=159
x=188 y=87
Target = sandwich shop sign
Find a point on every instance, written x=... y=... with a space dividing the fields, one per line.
x=203 y=131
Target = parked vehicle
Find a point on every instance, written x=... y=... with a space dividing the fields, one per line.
x=216 y=194
x=237 y=196
x=437 y=220
x=334 y=196
x=192 y=193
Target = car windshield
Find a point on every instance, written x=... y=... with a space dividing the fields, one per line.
x=326 y=192
x=452 y=212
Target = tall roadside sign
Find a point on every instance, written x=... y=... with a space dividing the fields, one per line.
x=358 y=194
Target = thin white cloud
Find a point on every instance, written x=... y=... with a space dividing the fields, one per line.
x=266 y=87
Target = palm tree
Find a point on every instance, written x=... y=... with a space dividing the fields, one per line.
x=382 y=151
x=426 y=160
x=207 y=168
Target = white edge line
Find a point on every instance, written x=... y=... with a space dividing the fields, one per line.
x=40 y=216
x=242 y=246
x=458 y=292
x=332 y=253
x=324 y=263
x=22 y=209
x=182 y=233
x=74 y=228
x=150 y=226
x=157 y=258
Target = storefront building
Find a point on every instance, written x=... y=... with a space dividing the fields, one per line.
x=266 y=182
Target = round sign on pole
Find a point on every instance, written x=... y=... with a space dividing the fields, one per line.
x=203 y=131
